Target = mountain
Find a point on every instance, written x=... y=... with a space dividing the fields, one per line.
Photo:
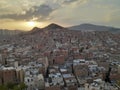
x=53 y=26
x=35 y=30
x=91 y=27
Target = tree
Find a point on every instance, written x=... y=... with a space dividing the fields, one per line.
x=81 y=49
x=3 y=87
x=10 y=85
x=16 y=88
x=22 y=86
x=118 y=82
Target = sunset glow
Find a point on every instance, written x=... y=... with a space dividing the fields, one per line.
x=26 y=14
x=31 y=24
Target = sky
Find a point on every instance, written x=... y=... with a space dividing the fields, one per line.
x=26 y=14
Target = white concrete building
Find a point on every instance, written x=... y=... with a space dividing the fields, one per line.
x=56 y=79
x=35 y=82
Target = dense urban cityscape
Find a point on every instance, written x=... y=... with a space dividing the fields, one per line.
x=58 y=58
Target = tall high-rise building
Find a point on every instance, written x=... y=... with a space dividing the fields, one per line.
x=9 y=76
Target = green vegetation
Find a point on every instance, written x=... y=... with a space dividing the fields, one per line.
x=3 y=87
x=118 y=82
x=11 y=86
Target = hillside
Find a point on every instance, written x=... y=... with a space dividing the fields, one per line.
x=91 y=27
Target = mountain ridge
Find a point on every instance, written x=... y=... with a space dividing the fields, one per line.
x=53 y=26
x=92 y=27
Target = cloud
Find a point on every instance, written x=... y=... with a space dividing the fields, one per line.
x=32 y=9
x=40 y=12
x=70 y=12
x=69 y=1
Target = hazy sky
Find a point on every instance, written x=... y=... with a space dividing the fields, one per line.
x=17 y=14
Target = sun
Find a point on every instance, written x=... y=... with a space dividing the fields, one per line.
x=31 y=23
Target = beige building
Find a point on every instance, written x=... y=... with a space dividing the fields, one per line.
x=20 y=75
x=119 y=69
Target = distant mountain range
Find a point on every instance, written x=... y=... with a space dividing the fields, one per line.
x=91 y=27
x=83 y=27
